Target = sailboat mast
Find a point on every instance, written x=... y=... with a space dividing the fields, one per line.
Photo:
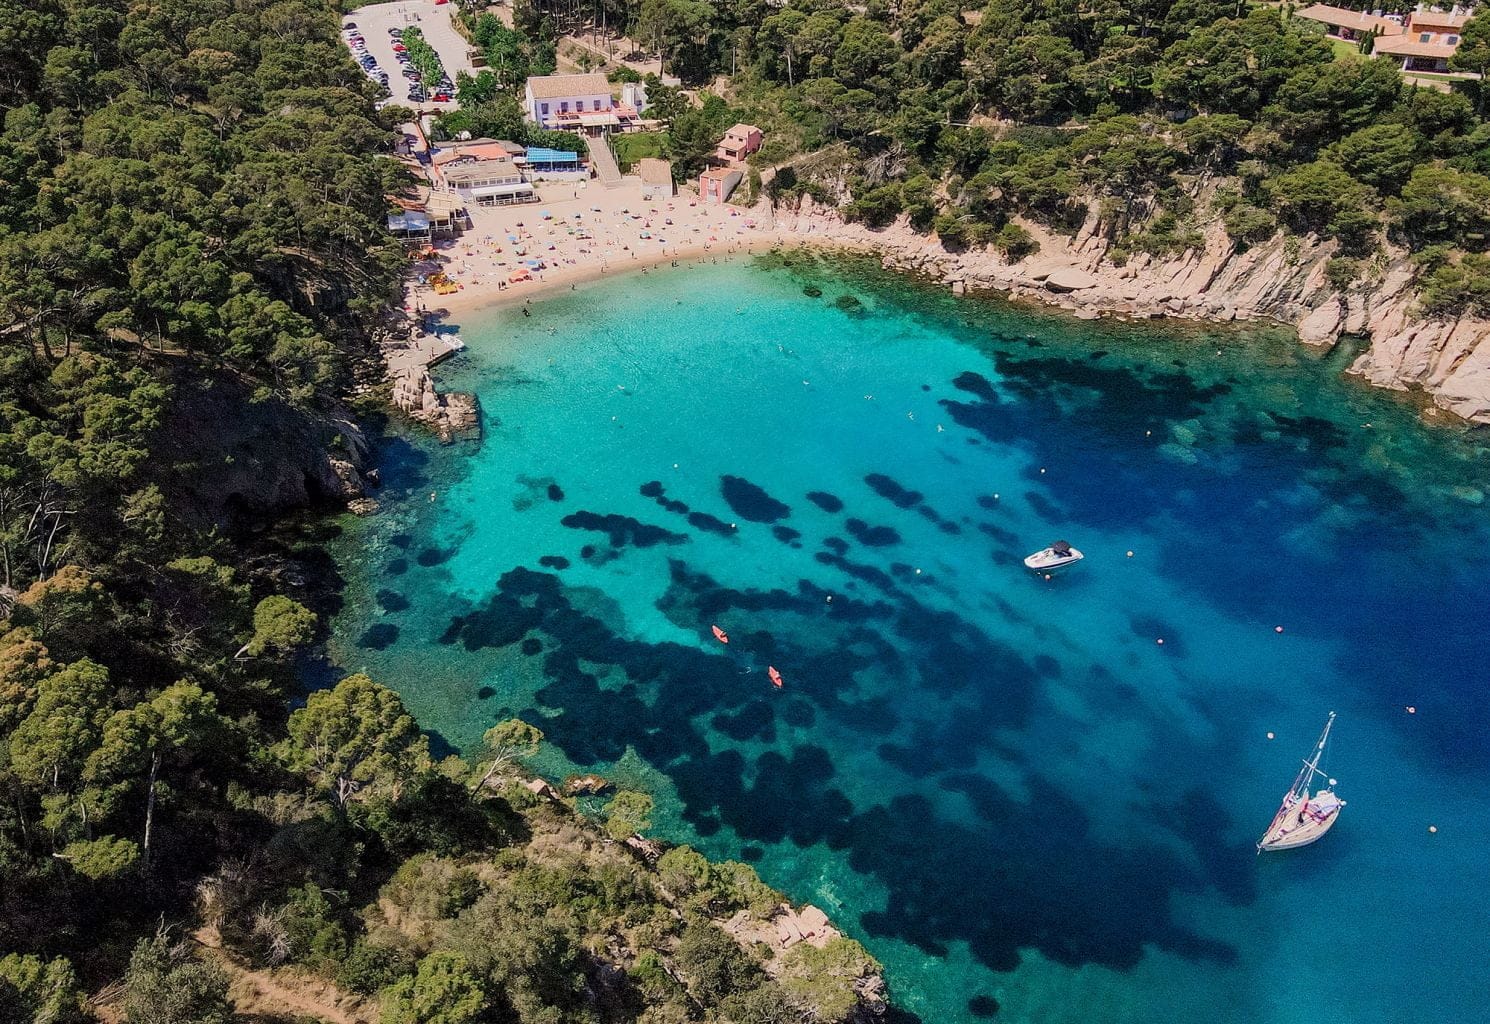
x=1311 y=766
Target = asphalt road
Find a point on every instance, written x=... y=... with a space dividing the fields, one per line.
x=375 y=20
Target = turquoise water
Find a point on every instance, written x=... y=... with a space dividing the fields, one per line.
x=1028 y=808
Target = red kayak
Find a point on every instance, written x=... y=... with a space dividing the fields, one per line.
x=720 y=635
x=776 y=680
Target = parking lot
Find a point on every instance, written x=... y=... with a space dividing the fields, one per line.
x=373 y=25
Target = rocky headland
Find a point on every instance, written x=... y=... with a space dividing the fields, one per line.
x=1283 y=281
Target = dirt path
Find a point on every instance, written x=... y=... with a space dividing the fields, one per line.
x=286 y=991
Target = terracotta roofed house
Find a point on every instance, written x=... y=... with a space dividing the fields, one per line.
x=1423 y=41
x=1351 y=26
x=738 y=143
x=1427 y=41
x=716 y=184
x=580 y=103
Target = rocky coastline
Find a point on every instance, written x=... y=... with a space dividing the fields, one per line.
x=409 y=349
x=1283 y=281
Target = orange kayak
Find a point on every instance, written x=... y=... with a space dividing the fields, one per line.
x=720 y=635
x=776 y=679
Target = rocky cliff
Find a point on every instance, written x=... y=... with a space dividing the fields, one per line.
x=1283 y=280
x=226 y=457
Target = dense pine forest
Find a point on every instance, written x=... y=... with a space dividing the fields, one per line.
x=191 y=261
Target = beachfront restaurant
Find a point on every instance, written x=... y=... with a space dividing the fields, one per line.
x=551 y=161
x=411 y=225
x=491 y=183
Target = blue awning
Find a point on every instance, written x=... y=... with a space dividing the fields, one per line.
x=539 y=155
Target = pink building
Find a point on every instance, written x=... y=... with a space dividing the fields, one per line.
x=1423 y=41
x=738 y=143
x=716 y=184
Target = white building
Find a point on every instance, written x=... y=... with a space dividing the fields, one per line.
x=581 y=103
x=490 y=182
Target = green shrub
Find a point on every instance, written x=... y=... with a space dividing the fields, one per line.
x=1015 y=242
x=714 y=964
x=1342 y=272
x=443 y=991
x=823 y=979
x=875 y=208
x=369 y=968
x=166 y=986
x=41 y=991
x=950 y=228
x=1248 y=224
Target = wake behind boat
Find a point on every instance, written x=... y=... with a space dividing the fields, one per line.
x=1303 y=819
x=1057 y=556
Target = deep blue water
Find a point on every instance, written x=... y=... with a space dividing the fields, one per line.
x=1028 y=808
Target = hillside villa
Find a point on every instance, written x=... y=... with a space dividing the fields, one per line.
x=738 y=143
x=1423 y=40
x=576 y=103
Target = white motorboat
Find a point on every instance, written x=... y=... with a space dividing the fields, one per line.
x=1303 y=819
x=1057 y=556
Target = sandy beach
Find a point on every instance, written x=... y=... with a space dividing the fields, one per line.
x=578 y=232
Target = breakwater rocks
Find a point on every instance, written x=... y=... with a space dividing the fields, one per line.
x=1284 y=280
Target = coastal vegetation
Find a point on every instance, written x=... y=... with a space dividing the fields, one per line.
x=1152 y=122
x=193 y=262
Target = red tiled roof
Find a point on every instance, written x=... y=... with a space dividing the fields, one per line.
x=1437 y=19
x=1339 y=17
x=1401 y=46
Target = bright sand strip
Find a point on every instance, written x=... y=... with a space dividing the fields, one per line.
x=626 y=233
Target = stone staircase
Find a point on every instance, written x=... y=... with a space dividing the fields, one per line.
x=603 y=160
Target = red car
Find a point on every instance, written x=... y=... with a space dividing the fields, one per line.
x=442 y=97
x=400 y=48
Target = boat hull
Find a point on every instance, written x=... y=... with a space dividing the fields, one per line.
x=1288 y=832
x=1047 y=560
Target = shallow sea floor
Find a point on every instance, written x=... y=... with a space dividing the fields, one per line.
x=1026 y=806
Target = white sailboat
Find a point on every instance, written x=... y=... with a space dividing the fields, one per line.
x=1303 y=818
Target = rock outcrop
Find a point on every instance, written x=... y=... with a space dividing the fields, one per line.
x=454 y=415
x=1283 y=280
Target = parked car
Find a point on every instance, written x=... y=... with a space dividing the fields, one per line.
x=442 y=97
x=349 y=24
